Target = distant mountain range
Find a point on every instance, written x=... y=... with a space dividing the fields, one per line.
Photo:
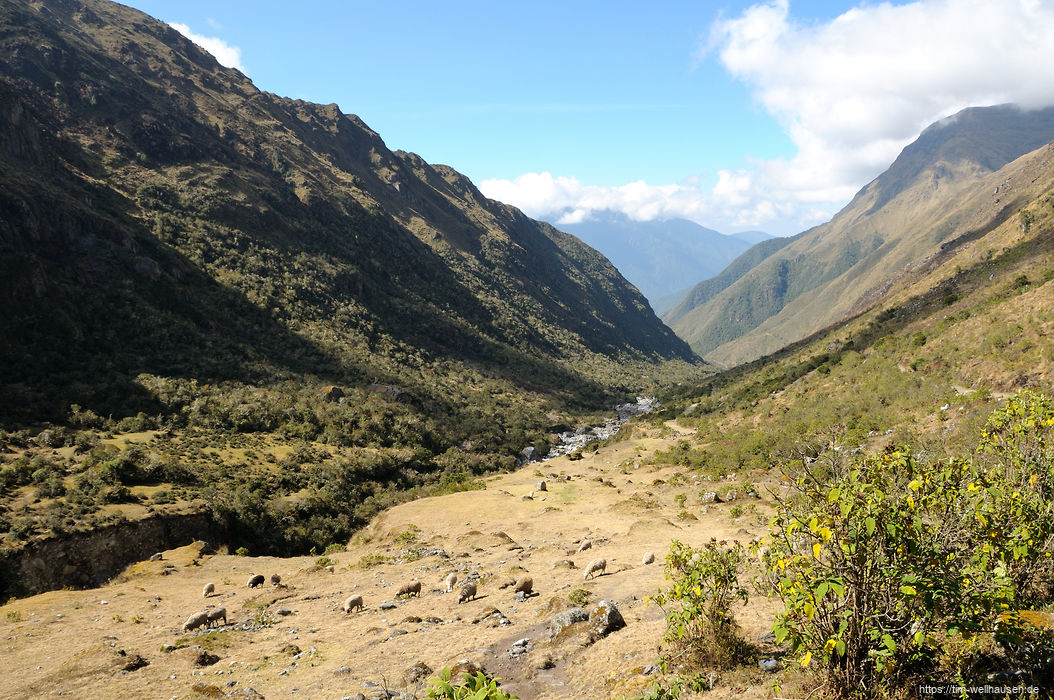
x=662 y=258
x=929 y=199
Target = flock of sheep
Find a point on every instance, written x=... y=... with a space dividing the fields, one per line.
x=468 y=591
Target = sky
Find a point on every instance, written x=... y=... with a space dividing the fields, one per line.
x=737 y=115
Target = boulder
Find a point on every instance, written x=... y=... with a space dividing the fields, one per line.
x=605 y=619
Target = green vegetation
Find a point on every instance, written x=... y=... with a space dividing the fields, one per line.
x=474 y=687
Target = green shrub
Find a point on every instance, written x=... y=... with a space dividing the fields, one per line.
x=701 y=630
x=478 y=687
x=890 y=567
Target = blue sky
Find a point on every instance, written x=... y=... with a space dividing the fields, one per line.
x=738 y=115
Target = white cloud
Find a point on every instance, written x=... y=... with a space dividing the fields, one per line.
x=224 y=53
x=850 y=93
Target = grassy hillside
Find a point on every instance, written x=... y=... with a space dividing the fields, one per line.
x=895 y=222
x=244 y=277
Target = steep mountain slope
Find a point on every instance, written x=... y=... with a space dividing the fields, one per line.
x=709 y=288
x=659 y=257
x=162 y=215
x=903 y=216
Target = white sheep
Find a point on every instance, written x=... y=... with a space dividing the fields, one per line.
x=208 y=590
x=217 y=615
x=353 y=602
x=254 y=581
x=467 y=592
x=196 y=620
x=450 y=581
x=597 y=566
x=410 y=589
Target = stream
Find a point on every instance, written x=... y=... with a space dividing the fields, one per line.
x=577 y=439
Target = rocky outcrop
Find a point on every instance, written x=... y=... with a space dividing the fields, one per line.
x=89 y=559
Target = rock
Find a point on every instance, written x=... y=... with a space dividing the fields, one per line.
x=342 y=671
x=769 y=665
x=527 y=455
x=246 y=693
x=767 y=638
x=710 y=497
x=283 y=612
x=156 y=557
x=417 y=673
x=540 y=486
x=648 y=559
x=204 y=658
x=134 y=663
x=388 y=605
x=584 y=546
x=519 y=647
x=564 y=564
x=605 y=619
x=650 y=670
x=561 y=621
x=463 y=669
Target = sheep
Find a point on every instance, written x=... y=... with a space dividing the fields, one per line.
x=254 y=581
x=597 y=566
x=196 y=620
x=217 y=615
x=467 y=592
x=648 y=558
x=584 y=546
x=450 y=581
x=353 y=602
x=208 y=590
x=410 y=589
x=275 y=579
x=524 y=584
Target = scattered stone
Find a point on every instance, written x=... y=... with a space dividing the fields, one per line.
x=519 y=647
x=565 y=619
x=710 y=497
x=283 y=612
x=650 y=670
x=463 y=669
x=156 y=557
x=291 y=649
x=564 y=564
x=769 y=665
x=204 y=658
x=605 y=619
x=387 y=605
x=396 y=633
x=540 y=486
x=767 y=638
x=342 y=671
x=648 y=559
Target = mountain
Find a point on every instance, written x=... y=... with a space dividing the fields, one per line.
x=894 y=223
x=660 y=257
x=752 y=237
x=161 y=215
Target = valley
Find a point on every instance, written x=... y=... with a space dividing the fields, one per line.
x=242 y=338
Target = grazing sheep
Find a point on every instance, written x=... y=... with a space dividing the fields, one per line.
x=217 y=615
x=467 y=592
x=588 y=544
x=353 y=602
x=597 y=566
x=525 y=584
x=208 y=590
x=195 y=621
x=254 y=581
x=450 y=581
x=648 y=558
x=275 y=579
x=410 y=589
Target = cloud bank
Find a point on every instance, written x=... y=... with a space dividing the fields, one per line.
x=850 y=93
x=224 y=53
